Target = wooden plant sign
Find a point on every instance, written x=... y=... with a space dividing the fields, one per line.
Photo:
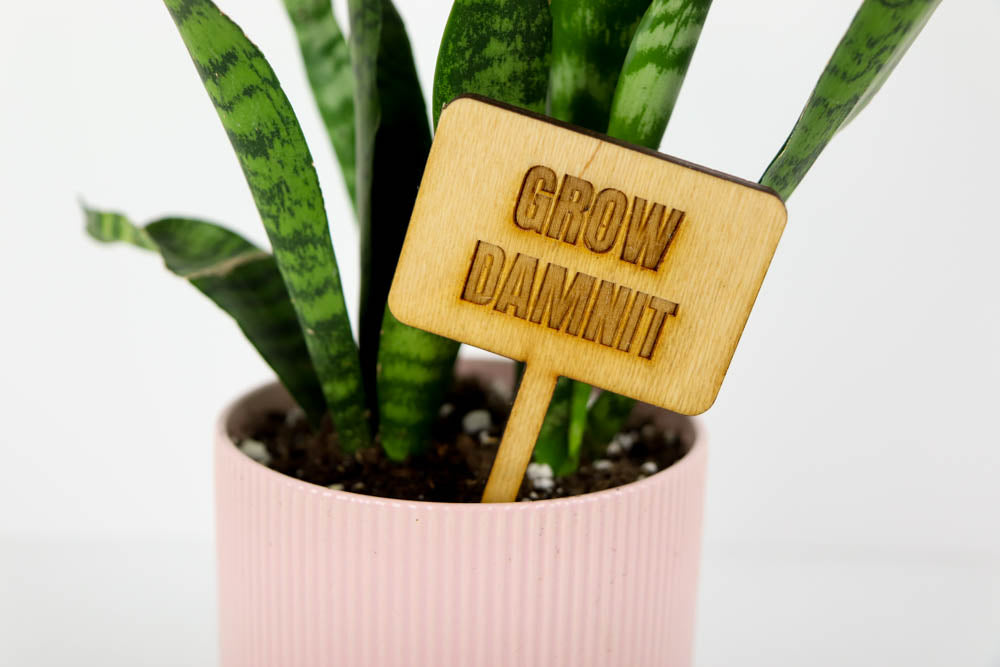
x=583 y=257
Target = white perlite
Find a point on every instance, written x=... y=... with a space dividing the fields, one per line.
x=477 y=420
x=649 y=467
x=603 y=464
x=626 y=440
x=294 y=416
x=539 y=471
x=543 y=484
x=615 y=449
x=445 y=410
x=256 y=450
x=336 y=487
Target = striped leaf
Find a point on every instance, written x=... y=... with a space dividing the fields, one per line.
x=873 y=45
x=589 y=41
x=240 y=278
x=393 y=142
x=111 y=227
x=272 y=151
x=654 y=70
x=328 y=66
x=497 y=48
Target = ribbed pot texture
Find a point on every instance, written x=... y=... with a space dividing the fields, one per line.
x=314 y=577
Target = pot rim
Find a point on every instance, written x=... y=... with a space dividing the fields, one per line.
x=235 y=406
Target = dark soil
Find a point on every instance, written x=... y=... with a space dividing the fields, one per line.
x=457 y=463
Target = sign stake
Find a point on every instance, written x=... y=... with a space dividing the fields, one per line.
x=526 y=417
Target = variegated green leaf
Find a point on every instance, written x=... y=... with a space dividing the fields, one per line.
x=497 y=48
x=328 y=66
x=391 y=155
x=654 y=70
x=272 y=151
x=589 y=41
x=111 y=227
x=240 y=278
x=873 y=45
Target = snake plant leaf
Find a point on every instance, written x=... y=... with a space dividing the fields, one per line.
x=112 y=227
x=654 y=70
x=589 y=41
x=392 y=152
x=497 y=48
x=272 y=151
x=240 y=278
x=873 y=45
x=328 y=66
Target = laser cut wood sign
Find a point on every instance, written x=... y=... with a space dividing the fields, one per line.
x=582 y=257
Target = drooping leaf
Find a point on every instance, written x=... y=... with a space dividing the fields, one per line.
x=111 y=227
x=654 y=70
x=272 y=151
x=589 y=41
x=497 y=48
x=328 y=66
x=391 y=157
x=240 y=278
x=873 y=45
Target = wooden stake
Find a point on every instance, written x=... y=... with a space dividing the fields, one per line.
x=526 y=417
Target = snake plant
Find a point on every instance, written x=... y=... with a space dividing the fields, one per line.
x=611 y=66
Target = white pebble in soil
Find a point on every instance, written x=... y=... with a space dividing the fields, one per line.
x=539 y=471
x=477 y=420
x=615 y=449
x=626 y=440
x=256 y=450
x=543 y=484
x=294 y=416
x=649 y=468
x=445 y=410
x=602 y=465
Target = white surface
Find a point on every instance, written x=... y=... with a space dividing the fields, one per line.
x=853 y=503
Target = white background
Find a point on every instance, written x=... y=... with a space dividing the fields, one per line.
x=853 y=508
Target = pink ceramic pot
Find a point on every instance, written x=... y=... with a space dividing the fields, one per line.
x=309 y=576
